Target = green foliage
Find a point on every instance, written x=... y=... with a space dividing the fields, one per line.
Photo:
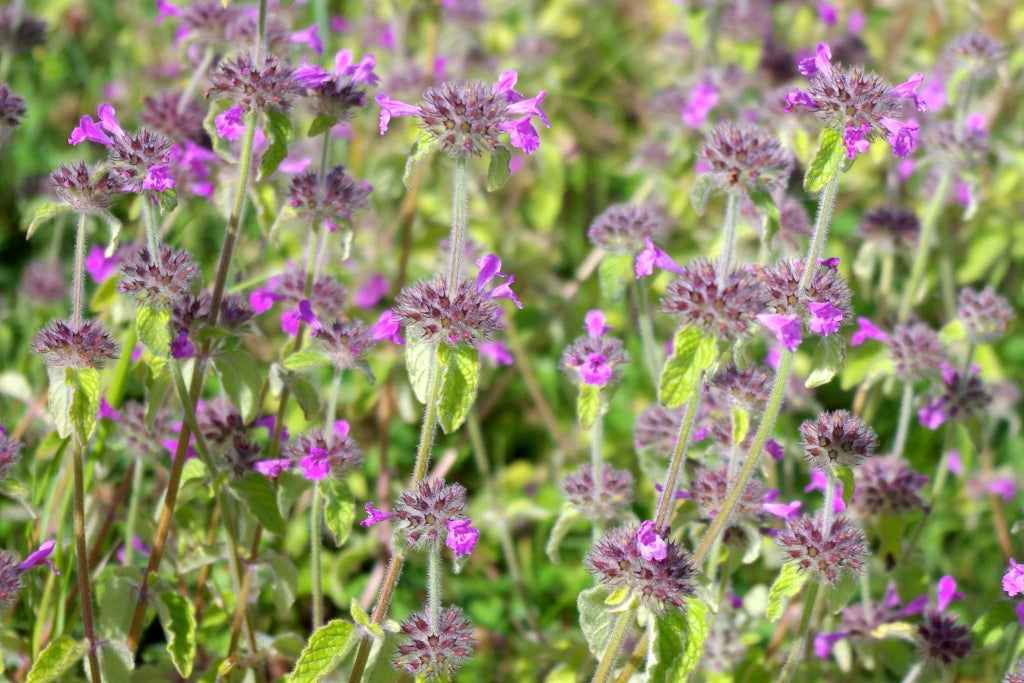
x=241 y=379
x=278 y=129
x=692 y=354
x=825 y=164
x=565 y=520
x=588 y=404
x=321 y=124
x=306 y=359
x=827 y=361
x=614 y=274
x=460 y=375
x=418 y=357
x=177 y=616
x=425 y=144
x=596 y=621
x=678 y=642
x=57 y=659
x=257 y=493
x=43 y=214
x=152 y=326
x=339 y=508
x=499 y=170
x=327 y=647
x=699 y=193
x=788 y=583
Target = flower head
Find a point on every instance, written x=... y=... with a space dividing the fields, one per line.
x=608 y=501
x=1013 y=579
x=657 y=428
x=888 y=485
x=463 y=316
x=426 y=510
x=618 y=561
x=346 y=342
x=786 y=328
x=43 y=281
x=10 y=580
x=917 y=351
x=162 y=113
x=976 y=51
x=158 y=286
x=434 y=652
x=87 y=345
x=709 y=488
x=140 y=161
x=19 y=30
x=651 y=545
x=594 y=360
x=727 y=311
x=985 y=314
x=744 y=158
x=321 y=454
x=942 y=639
x=701 y=99
x=747 y=389
x=826 y=556
x=624 y=228
x=461 y=536
x=10 y=453
x=891 y=226
x=826 y=286
x=254 y=85
x=837 y=438
x=343 y=196
x=12 y=109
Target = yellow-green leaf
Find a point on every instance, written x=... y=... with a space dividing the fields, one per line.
x=827 y=362
x=278 y=130
x=692 y=354
x=302 y=360
x=562 y=525
x=460 y=374
x=825 y=163
x=339 y=508
x=326 y=649
x=257 y=493
x=588 y=404
x=424 y=145
x=177 y=615
x=85 y=402
x=151 y=325
x=418 y=357
x=786 y=586
x=678 y=642
x=614 y=273
x=45 y=213
x=59 y=656
x=499 y=170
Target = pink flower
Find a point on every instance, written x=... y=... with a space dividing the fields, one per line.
x=932 y=414
x=855 y=141
x=1019 y=611
x=272 y=469
x=856 y=22
x=387 y=327
x=308 y=37
x=166 y=9
x=819 y=482
x=316 y=466
x=798 y=96
x=229 y=123
x=652 y=547
x=263 y=300
x=824 y=642
x=699 y=103
x=955 y=464
x=782 y=510
x=40 y=557
x=651 y=257
x=461 y=536
x=832 y=263
x=158 y=178
x=1004 y=487
x=909 y=90
x=902 y=136
x=98 y=265
x=594 y=324
x=290 y=320
x=181 y=347
x=490 y=267
x=107 y=412
x=774 y=449
x=108 y=119
x=373 y=516
x=496 y=352
x=786 y=328
x=821 y=61
x=371 y=291
x=905 y=169
x=828 y=14
x=867 y=330
x=933 y=92
x=825 y=317
x=88 y=130
x=522 y=134
x=946 y=592
x=390 y=108
x=595 y=370
x=1013 y=579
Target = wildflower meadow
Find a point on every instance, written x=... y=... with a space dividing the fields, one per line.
x=495 y=340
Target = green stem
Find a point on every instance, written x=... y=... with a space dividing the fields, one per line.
x=611 y=651
x=316 y=561
x=133 y=513
x=826 y=204
x=429 y=425
x=193 y=82
x=1011 y=651
x=914 y=672
x=668 y=492
x=652 y=357
x=797 y=650
x=830 y=496
x=885 y=283
x=597 y=456
x=764 y=430
x=728 y=254
x=434 y=585
x=78 y=283
x=924 y=240
x=943 y=468
x=152 y=232
x=903 y=426
x=460 y=213
x=84 y=583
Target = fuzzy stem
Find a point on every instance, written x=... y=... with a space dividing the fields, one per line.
x=885 y=283
x=826 y=204
x=924 y=240
x=84 y=583
x=315 y=535
x=1004 y=668
x=152 y=231
x=429 y=426
x=133 y=512
x=78 y=283
x=597 y=455
x=460 y=212
x=764 y=430
x=611 y=652
x=728 y=253
x=652 y=357
x=434 y=585
x=797 y=650
x=668 y=491
x=943 y=468
x=914 y=672
x=193 y=82
x=903 y=426
x=830 y=496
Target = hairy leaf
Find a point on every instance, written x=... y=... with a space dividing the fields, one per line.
x=788 y=583
x=460 y=375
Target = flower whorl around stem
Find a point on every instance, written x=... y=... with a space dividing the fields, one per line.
x=327 y=297
x=254 y=87
x=43 y=282
x=784 y=296
x=837 y=438
x=89 y=345
x=321 y=454
x=622 y=228
x=12 y=110
x=985 y=314
x=10 y=580
x=227 y=434
x=888 y=484
x=916 y=350
x=139 y=159
x=745 y=158
x=891 y=226
x=427 y=508
x=976 y=51
x=727 y=312
x=616 y=492
x=430 y=312
x=139 y=438
x=88 y=190
x=594 y=360
x=19 y=30
x=10 y=454
x=709 y=488
x=161 y=286
x=845 y=549
x=346 y=342
x=747 y=389
x=615 y=559
x=942 y=639
x=160 y=111
x=342 y=198
x=434 y=653
x=658 y=428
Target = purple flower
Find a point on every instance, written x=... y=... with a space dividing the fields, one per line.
x=496 y=352
x=371 y=291
x=490 y=267
x=137 y=544
x=269 y=423
x=828 y=14
x=309 y=37
x=1019 y=611
x=229 y=123
x=1013 y=579
x=358 y=73
x=955 y=464
x=902 y=136
x=461 y=536
x=88 y=130
x=315 y=466
x=391 y=108
x=823 y=642
x=387 y=327
x=311 y=75
x=856 y=22
x=782 y=510
x=786 y=328
x=909 y=90
x=166 y=9
x=855 y=141
x=652 y=547
x=821 y=61
x=272 y=469
x=290 y=319
x=158 y=178
x=774 y=449
x=595 y=370
x=825 y=317
x=867 y=330
x=830 y=263
x=699 y=103
x=98 y=265
x=263 y=300
x=946 y=592
x=39 y=557
x=181 y=347
x=373 y=516
x=796 y=97
x=1004 y=487
x=932 y=414
x=594 y=323
x=819 y=482
x=651 y=257
x=522 y=134
x=107 y=412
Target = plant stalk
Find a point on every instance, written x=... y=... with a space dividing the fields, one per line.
x=903 y=426
x=84 y=582
x=797 y=650
x=611 y=651
x=924 y=240
x=668 y=491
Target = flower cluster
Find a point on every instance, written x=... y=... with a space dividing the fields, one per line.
x=595 y=358
x=321 y=454
x=342 y=196
x=429 y=511
x=725 y=310
x=825 y=553
x=67 y=345
x=744 y=158
x=606 y=502
x=837 y=438
x=624 y=228
x=337 y=93
x=434 y=652
x=267 y=84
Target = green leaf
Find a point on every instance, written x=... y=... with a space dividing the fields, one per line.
x=177 y=616
x=839 y=596
x=692 y=354
x=116 y=661
x=59 y=656
x=699 y=193
x=827 y=362
x=151 y=325
x=167 y=200
x=952 y=332
x=85 y=404
x=992 y=625
x=588 y=404
x=614 y=273
x=306 y=396
x=788 y=583
x=339 y=508
x=286 y=583
x=45 y=213
x=158 y=385
x=896 y=629
x=460 y=374
x=59 y=399
x=418 y=357
x=825 y=163
x=740 y=425
x=845 y=475
x=278 y=130
x=890 y=528
x=256 y=492
x=363 y=619
x=303 y=360
x=499 y=170
x=424 y=145
x=326 y=649
x=679 y=641
x=562 y=525
x=242 y=381
x=595 y=619
x=321 y=123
